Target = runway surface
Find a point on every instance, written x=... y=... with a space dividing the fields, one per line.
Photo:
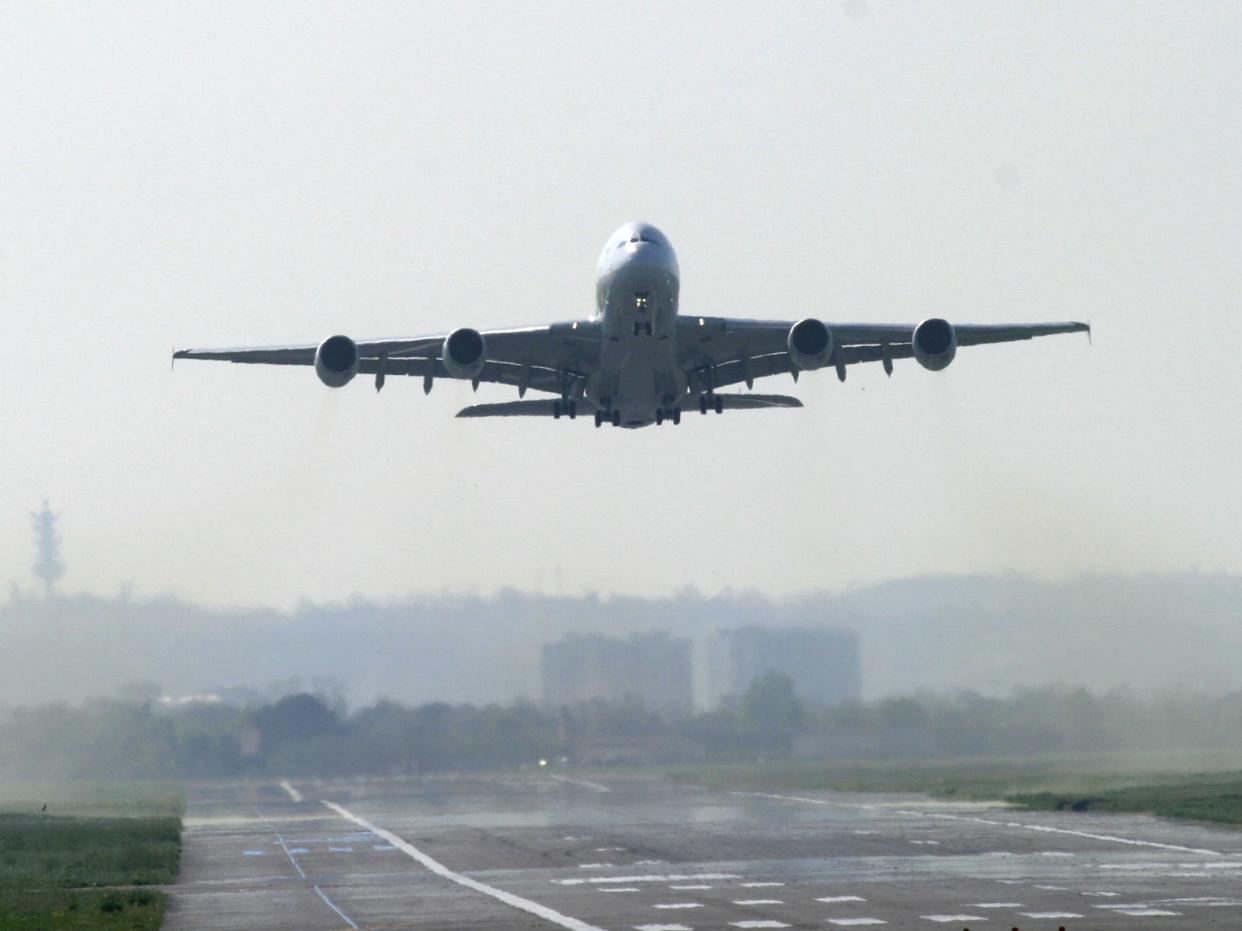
x=554 y=851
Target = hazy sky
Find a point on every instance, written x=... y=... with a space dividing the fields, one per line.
x=222 y=174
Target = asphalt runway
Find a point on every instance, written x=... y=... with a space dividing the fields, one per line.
x=553 y=851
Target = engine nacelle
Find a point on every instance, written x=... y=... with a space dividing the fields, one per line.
x=464 y=353
x=935 y=343
x=810 y=344
x=336 y=361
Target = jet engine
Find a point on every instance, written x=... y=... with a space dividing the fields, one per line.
x=336 y=361
x=464 y=353
x=810 y=344
x=935 y=343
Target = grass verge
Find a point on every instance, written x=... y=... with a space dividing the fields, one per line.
x=86 y=871
x=1098 y=784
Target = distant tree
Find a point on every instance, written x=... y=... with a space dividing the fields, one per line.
x=295 y=718
x=771 y=703
x=48 y=565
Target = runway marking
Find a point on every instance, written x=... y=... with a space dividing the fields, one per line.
x=297 y=866
x=618 y=889
x=610 y=850
x=597 y=866
x=299 y=850
x=1104 y=894
x=687 y=888
x=340 y=850
x=758 y=924
x=1147 y=912
x=435 y=866
x=332 y=905
x=1052 y=888
x=758 y=902
x=679 y=905
x=835 y=899
x=855 y=922
x=293 y=793
x=254 y=853
x=585 y=783
x=759 y=885
x=996 y=905
x=945 y=919
x=991 y=822
x=1050 y=914
x=646 y=878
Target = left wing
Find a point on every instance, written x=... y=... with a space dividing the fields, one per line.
x=721 y=351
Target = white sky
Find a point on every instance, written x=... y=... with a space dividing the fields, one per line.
x=207 y=174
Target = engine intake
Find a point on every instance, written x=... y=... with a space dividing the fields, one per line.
x=464 y=353
x=336 y=361
x=935 y=343
x=810 y=344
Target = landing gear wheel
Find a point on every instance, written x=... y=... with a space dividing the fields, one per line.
x=599 y=418
x=556 y=410
x=573 y=410
x=676 y=416
x=659 y=418
x=702 y=404
x=616 y=418
x=719 y=404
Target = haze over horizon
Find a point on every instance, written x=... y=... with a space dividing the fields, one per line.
x=263 y=174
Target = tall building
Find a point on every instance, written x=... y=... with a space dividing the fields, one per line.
x=48 y=565
x=651 y=668
x=823 y=662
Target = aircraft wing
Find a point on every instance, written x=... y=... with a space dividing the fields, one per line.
x=536 y=357
x=727 y=350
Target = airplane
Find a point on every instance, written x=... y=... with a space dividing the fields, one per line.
x=637 y=361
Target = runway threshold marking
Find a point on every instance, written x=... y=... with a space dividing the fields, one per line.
x=991 y=822
x=435 y=866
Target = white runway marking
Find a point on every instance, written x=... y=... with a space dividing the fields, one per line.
x=991 y=822
x=759 y=885
x=679 y=905
x=1050 y=914
x=596 y=866
x=1147 y=912
x=996 y=905
x=340 y=850
x=758 y=902
x=945 y=919
x=647 y=878
x=610 y=850
x=855 y=922
x=508 y=898
x=687 y=888
x=293 y=793
x=332 y=905
x=254 y=853
x=1106 y=894
x=618 y=889
x=834 y=899
x=758 y=924
x=585 y=783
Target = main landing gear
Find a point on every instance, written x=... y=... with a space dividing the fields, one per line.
x=712 y=400
x=568 y=408
x=605 y=413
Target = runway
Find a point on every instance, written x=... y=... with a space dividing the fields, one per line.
x=549 y=851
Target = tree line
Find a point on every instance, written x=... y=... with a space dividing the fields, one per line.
x=306 y=733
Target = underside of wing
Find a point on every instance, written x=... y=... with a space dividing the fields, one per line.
x=716 y=352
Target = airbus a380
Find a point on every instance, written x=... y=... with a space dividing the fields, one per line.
x=637 y=360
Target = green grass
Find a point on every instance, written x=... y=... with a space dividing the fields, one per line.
x=84 y=870
x=1082 y=783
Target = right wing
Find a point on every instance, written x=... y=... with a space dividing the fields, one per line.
x=543 y=358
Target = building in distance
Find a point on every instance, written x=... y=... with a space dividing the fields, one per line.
x=653 y=669
x=823 y=662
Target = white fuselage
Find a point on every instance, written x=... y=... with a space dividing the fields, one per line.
x=636 y=305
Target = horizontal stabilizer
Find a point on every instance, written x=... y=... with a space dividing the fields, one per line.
x=541 y=408
x=750 y=402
